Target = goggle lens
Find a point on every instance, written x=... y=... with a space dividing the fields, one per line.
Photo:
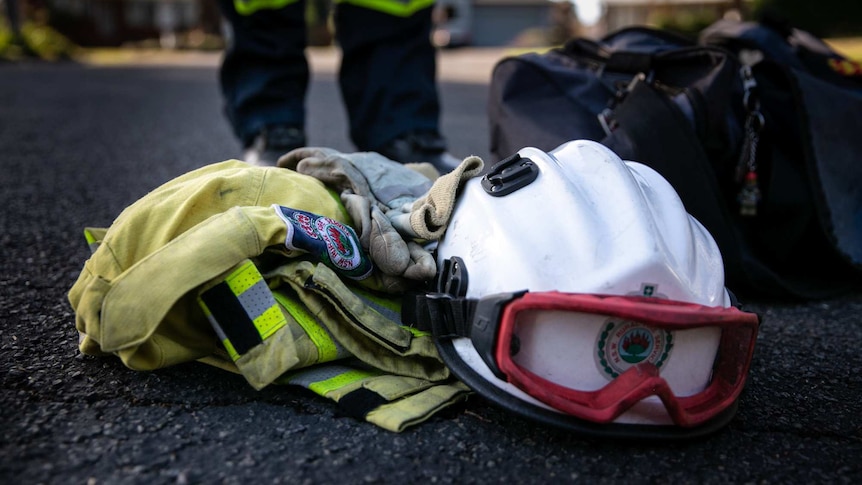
x=596 y=357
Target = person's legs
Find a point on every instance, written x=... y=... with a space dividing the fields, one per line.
x=388 y=83
x=264 y=74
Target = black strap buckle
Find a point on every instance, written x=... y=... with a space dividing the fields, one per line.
x=452 y=278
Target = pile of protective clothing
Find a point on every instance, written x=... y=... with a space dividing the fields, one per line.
x=286 y=275
x=569 y=287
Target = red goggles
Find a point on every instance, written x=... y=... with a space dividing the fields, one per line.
x=693 y=358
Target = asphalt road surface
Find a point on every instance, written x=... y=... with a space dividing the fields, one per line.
x=78 y=143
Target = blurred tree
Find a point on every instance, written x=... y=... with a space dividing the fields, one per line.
x=823 y=18
x=688 y=23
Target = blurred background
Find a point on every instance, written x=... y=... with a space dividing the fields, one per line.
x=62 y=29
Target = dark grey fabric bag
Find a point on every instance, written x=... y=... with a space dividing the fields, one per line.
x=756 y=128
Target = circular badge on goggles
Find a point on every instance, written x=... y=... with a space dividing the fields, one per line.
x=624 y=343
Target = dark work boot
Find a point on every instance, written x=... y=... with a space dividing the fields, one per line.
x=273 y=142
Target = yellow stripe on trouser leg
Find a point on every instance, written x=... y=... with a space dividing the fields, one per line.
x=248 y=7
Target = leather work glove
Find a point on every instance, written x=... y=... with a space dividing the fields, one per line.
x=368 y=174
x=381 y=195
x=392 y=254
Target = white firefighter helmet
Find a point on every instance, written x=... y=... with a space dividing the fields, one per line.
x=575 y=289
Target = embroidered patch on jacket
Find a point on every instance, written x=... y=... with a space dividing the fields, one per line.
x=331 y=242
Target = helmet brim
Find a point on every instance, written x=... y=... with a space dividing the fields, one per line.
x=482 y=386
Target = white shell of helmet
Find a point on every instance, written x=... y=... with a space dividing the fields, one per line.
x=589 y=223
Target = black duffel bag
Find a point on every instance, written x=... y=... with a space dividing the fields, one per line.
x=757 y=129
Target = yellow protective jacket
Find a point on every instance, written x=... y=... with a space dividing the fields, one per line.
x=207 y=267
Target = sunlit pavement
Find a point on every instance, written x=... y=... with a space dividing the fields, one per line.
x=80 y=142
x=468 y=64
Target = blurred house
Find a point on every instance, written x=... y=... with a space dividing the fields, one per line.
x=490 y=22
x=115 y=22
x=685 y=15
x=508 y=22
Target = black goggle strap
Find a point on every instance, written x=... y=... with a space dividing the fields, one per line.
x=447 y=317
x=443 y=315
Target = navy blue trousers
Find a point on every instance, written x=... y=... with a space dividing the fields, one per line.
x=387 y=76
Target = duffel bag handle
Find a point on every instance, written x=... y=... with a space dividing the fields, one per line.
x=624 y=62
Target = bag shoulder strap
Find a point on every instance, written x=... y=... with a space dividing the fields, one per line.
x=649 y=123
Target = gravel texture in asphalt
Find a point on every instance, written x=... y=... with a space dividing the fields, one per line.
x=80 y=143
